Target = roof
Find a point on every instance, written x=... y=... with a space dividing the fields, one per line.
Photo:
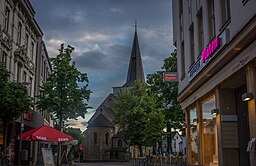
x=100 y=121
x=135 y=71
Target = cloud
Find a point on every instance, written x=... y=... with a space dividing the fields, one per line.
x=102 y=34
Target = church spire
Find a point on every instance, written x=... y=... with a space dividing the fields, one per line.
x=135 y=71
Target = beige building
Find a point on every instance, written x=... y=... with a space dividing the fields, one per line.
x=216 y=50
x=25 y=56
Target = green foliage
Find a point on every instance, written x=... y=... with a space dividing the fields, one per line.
x=14 y=97
x=139 y=115
x=76 y=133
x=168 y=92
x=61 y=94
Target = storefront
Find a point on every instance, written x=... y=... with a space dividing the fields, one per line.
x=220 y=121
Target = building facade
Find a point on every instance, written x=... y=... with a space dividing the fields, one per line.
x=23 y=51
x=215 y=41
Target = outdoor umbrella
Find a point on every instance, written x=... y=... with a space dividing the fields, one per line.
x=45 y=133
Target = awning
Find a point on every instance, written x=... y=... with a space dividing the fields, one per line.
x=45 y=133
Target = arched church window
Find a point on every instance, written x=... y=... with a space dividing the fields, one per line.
x=95 y=137
x=107 y=138
x=119 y=143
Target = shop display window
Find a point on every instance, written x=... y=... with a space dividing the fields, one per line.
x=209 y=133
x=193 y=137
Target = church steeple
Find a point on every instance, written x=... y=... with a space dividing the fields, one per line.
x=135 y=71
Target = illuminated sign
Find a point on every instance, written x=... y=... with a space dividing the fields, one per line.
x=210 y=49
x=170 y=77
x=208 y=53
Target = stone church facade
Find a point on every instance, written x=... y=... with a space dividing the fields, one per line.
x=103 y=139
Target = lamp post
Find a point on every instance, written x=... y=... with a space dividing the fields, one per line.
x=169 y=138
x=25 y=84
x=21 y=130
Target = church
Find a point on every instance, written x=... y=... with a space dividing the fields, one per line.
x=103 y=139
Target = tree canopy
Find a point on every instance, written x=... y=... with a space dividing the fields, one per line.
x=139 y=115
x=168 y=92
x=14 y=100
x=66 y=90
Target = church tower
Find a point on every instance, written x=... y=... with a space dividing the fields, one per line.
x=103 y=139
x=135 y=71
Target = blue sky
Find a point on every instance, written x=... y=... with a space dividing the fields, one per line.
x=102 y=33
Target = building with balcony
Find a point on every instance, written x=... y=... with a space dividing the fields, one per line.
x=216 y=50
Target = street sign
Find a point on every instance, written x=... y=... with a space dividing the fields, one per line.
x=170 y=77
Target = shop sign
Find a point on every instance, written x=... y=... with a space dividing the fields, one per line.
x=206 y=56
x=170 y=77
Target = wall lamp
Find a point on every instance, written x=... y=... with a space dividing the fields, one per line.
x=215 y=111
x=247 y=96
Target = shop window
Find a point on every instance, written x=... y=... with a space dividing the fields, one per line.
x=209 y=133
x=193 y=137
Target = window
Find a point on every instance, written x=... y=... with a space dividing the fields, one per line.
x=182 y=60
x=198 y=4
x=26 y=41
x=119 y=143
x=24 y=77
x=225 y=11
x=95 y=138
x=6 y=19
x=19 y=34
x=181 y=20
x=32 y=51
x=209 y=132
x=107 y=138
x=211 y=19
x=19 y=72
x=30 y=86
x=4 y=58
x=193 y=144
x=190 y=7
x=200 y=32
x=192 y=44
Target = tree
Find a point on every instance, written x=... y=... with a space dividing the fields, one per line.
x=61 y=94
x=139 y=115
x=14 y=101
x=168 y=92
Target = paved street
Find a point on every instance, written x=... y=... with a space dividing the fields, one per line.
x=104 y=164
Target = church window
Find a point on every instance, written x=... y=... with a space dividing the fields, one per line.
x=107 y=138
x=119 y=143
x=95 y=138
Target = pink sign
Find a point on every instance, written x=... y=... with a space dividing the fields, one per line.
x=209 y=50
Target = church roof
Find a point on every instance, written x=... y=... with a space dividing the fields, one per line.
x=100 y=121
x=135 y=71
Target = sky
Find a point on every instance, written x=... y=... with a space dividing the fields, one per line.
x=102 y=33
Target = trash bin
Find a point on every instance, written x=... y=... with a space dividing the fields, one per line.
x=251 y=148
